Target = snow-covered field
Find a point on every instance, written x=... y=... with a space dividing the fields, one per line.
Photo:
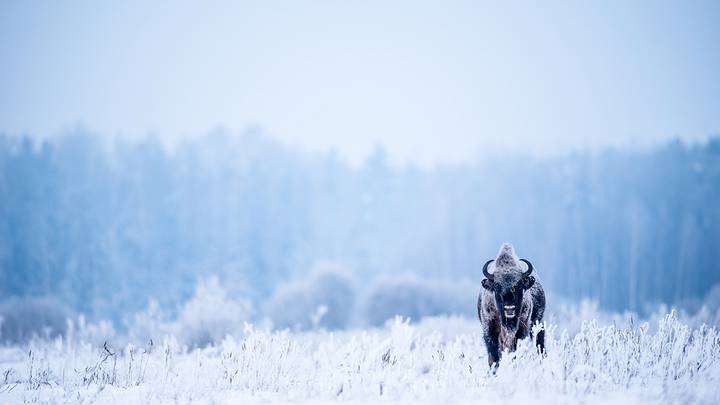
x=439 y=360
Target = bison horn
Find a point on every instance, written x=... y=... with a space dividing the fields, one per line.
x=530 y=268
x=486 y=273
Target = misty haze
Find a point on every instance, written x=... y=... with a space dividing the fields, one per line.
x=237 y=202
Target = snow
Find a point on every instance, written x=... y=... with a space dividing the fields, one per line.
x=439 y=360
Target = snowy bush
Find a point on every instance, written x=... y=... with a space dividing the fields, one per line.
x=80 y=330
x=710 y=312
x=572 y=315
x=414 y=298
x=26 y=318
x=149 y=324
x=207 y=317
x=326 y=299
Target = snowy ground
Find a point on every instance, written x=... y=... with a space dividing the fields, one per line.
x=440 y=360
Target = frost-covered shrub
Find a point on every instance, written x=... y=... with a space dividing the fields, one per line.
x=708 y=310
x=570 y=315
x=712 y=305
x=326 y=300
x=209 y=315
x=149 y=324
x=415 y=298
x=22 y=319
x=96 y=333
x=712 y=299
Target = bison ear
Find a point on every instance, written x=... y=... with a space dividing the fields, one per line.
x=488 y=285
x=529 y=282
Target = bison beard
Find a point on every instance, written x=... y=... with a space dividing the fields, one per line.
x=510 y=303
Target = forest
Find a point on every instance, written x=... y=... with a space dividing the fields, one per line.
x=103 y=225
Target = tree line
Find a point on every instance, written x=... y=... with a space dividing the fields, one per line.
x=102 y=224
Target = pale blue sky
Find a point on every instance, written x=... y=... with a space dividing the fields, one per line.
x=443 y=81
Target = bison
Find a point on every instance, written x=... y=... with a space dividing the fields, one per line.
x=510 y=303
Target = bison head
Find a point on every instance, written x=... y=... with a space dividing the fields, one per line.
x=508 y=286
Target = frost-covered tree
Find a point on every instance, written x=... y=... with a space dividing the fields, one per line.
x=102 y=225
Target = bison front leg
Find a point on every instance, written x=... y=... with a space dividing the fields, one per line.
x=491 y=337
x=540 y=342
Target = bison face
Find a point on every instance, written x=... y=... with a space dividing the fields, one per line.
x=508 y=289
